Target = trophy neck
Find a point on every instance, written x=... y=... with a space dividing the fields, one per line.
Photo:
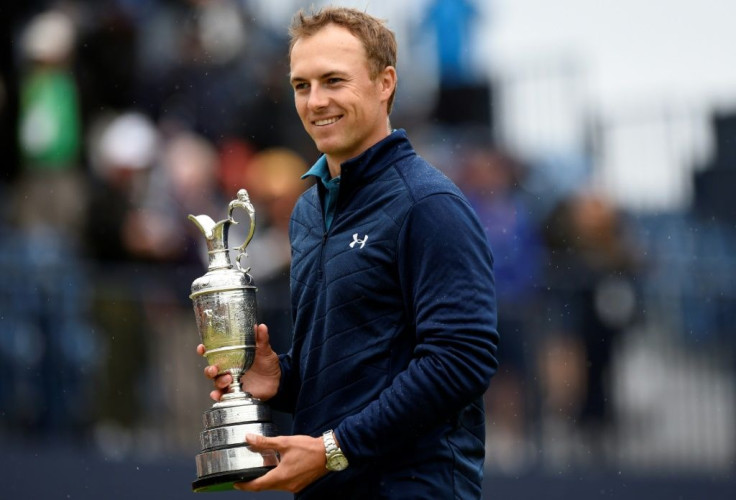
x=218 y=259
x=235 y=393
x=217 y=251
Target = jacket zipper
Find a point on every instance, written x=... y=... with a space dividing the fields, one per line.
x=320 y=272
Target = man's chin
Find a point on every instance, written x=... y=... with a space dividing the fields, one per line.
x=326 y=147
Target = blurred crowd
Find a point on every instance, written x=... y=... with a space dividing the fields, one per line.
x=131 y=115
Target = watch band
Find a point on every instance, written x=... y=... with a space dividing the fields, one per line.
x=335 y=459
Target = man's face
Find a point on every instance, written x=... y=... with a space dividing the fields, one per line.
x=341 y=107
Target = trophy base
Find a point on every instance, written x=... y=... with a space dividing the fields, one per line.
x=226 y=458
x=225 y=480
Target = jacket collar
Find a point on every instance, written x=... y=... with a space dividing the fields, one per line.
x=368 y=165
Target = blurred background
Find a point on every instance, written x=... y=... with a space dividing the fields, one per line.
x=596 y=140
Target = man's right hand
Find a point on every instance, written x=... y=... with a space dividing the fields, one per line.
x=261 y=380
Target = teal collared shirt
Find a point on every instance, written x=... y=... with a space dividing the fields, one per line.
x=332 y=185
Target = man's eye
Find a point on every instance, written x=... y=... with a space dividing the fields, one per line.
x=300 y=86
x=333 y=81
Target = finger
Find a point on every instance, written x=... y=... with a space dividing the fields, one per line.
x=200 y=349
x=258 y=484
x=217 y=394
x=223 y=381
x=220 y=381
x=259 y=442
x=210 y=371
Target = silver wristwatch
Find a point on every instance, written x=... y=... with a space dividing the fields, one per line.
x=336 y=460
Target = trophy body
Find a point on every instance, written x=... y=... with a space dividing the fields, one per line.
x=225 y=307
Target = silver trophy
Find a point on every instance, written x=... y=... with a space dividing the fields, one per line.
x=225 y=307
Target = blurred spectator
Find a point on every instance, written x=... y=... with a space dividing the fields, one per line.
x=452 y=21
x=590 y=277
x=122 y=156
x=464 y=93
x=491 y=179
x=50 y=192
x=122 y=152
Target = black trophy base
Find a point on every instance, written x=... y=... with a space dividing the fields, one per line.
x=224 y=481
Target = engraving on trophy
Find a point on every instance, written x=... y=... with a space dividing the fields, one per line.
x=224 y=301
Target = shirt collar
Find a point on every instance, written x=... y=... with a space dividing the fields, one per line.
x=320 y=170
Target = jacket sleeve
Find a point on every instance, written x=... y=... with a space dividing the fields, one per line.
x=445 y=270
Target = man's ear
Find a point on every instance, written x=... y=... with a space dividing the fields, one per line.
x=387 y=82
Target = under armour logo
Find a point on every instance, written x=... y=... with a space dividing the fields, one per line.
x=357 y=241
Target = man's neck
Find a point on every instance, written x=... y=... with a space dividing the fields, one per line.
x=334 y=166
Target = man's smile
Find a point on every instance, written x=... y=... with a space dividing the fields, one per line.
x=326 y=121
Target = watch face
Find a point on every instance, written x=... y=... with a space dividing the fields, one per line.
x=337 y=462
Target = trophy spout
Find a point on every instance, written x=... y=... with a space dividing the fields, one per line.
x=205 y=224
x=216 y=235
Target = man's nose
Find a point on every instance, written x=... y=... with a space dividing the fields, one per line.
x=317 y=97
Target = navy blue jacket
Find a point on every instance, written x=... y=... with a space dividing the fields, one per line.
x=394 y=329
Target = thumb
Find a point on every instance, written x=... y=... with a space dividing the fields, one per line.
x=262 y=338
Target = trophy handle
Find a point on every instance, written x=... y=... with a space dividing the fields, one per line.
x=243 y=201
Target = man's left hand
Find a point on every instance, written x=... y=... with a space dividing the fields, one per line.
x=302 y=462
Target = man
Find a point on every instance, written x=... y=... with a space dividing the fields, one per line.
x=392 y=294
